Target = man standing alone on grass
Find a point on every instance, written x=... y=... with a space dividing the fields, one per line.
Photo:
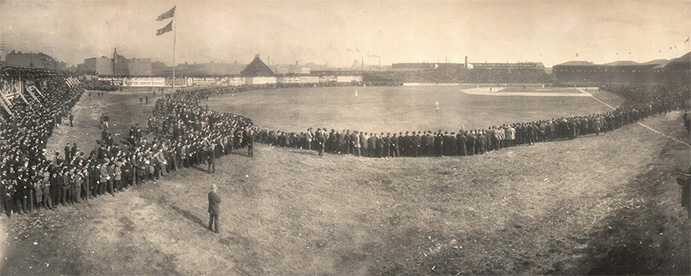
x=214 y=204
x=685 y=190
x=250 y=143
x=211 y=158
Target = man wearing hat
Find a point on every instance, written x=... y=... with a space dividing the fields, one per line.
x=685 y=190
x=104 y=177
x=211 y=157
x=76 y=185
x=395 y=152
x=250 y=143
x=214 y=208
x=387 y=144
x=321 y=142
x=66 y=183
x=117 y=178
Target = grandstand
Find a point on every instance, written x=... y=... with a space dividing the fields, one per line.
x=485 y=73
x=583 y=73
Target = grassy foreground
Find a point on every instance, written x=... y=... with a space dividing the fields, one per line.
x=603 y=205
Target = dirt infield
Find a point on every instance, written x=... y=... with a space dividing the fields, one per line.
x=598 y=204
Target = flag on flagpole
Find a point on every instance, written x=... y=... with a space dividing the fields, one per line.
x=576 y=54
x=687 y=40
x=166 y=15
x=165 y=29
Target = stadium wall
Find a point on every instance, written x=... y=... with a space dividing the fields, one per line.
x=228 y=80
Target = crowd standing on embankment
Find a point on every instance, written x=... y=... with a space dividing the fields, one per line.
x=186 y=134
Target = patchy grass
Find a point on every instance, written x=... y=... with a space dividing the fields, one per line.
x=591 y=205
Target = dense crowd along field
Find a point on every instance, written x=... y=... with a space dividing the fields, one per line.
x=448 y=215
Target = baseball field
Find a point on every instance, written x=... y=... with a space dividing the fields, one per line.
x=604 y=204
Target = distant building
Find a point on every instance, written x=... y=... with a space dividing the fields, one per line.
x=291 y=69
x=425 y=65
x=587 y=73
x=139 y=67
x=118 y=65
x=98 y=65
x=3 y=52
x=160 y=69
x=33 y=60
x=508 y=65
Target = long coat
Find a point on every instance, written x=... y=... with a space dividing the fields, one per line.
x=685 y=193
x=214 y=204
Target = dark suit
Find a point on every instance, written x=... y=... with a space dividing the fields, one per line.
x=685 y=193
x=250 y=145
x=214 y=204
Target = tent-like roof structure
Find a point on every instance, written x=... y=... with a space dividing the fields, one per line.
x=257 y=68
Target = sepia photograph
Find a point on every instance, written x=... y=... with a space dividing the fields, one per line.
x=345 y=137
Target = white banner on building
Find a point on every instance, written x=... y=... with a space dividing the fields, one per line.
x=144 y=82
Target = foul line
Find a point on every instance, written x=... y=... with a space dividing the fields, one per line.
x=641 y=124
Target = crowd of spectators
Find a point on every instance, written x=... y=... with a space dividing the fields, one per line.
x=25 y=166
x=99 y=85
x=449 y=143
x=661 y=96
x=186 y=134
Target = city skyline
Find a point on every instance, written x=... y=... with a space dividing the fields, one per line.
x=343 y=33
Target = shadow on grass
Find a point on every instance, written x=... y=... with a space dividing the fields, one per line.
x=237 y=152
x=189 y=215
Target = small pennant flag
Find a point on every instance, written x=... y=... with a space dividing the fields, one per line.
x=687 y=40
x=576 y=54
x=166 y=15
x=165 y=29
x=659 y=51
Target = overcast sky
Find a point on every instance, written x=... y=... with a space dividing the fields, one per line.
x=342 y=32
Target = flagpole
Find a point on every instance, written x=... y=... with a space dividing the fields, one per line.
x=175 y=34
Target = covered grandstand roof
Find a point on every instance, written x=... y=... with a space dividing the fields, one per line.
x=257 y=68
x=576 y=63
x=622 y=63
x=682 y=62
x=659 y=63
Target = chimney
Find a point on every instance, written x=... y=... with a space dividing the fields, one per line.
x=466 y=62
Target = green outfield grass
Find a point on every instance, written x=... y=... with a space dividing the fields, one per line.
x=597 y=204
